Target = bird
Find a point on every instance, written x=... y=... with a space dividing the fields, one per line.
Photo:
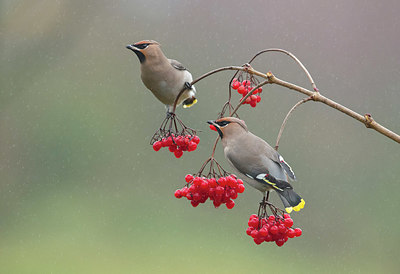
x=164 y=77
x=261 y=166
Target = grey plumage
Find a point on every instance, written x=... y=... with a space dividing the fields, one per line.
x=164 y=77
x=259 y=164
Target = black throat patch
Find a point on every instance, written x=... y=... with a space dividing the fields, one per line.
x=140 y=55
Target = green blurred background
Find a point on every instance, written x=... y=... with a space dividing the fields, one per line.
x=81 y=190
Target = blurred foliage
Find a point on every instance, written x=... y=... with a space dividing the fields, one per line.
x=81 y=190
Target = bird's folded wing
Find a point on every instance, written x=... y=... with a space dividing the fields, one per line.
x=177 y=64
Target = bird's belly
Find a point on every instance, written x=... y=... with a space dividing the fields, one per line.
x=165 y=90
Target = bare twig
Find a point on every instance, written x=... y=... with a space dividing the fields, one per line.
x=291 y=56
x=286 y=119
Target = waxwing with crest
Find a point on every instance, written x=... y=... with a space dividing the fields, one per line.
x=258 y=163
x=164 y=77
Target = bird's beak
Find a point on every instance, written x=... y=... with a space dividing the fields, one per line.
x=132 y=48
x=216 y=127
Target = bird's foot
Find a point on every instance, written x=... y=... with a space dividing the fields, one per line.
x=170 y=114
x=188 y=85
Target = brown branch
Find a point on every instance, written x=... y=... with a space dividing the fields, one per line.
x=367 y=119
x=286 y=119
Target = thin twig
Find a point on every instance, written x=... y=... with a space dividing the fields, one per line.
x=291 y=55
x=204 y=76
x=286 y=119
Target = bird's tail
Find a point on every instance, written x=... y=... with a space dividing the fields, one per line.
x=192 y=98
x=189 y=102
x=291 y=200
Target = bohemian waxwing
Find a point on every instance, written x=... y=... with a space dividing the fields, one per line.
x=164 y=77
x=258 y=163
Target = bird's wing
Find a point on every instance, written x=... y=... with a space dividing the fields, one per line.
x=264 y=170
x=176 y=64
x=274 y=156
x=286 y=167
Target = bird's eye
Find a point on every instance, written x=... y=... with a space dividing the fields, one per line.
x=142 y=46
x=223 y=123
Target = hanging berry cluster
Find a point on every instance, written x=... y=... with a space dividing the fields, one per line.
x=272 y=229
x=218 y=186
x=176 y=136
x=244 y=88
x=178 y=144
x=222 y=190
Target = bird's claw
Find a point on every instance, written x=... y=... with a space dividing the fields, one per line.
x=188 y=85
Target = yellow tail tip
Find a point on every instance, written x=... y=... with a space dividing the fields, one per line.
x=299 y=206
x=289 y=209
x=190 y=104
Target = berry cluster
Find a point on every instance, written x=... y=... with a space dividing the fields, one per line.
x=178 y=144
x=221 y=191
x=244 y=88
x=272 y=229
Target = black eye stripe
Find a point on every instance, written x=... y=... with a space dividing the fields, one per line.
x=142 y=46
x=222 y=123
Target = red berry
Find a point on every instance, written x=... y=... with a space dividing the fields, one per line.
x=235 y=84
x=212 y=127
x=233 y=194
x=246 y=83
x=286 y=216
x=253 y=103
x=282 y=229
x=157 y=146
x=258 y=99
x=240 y=188
x=254 y=233
x=212 y=182
x=298 y=232
x=288 y=222
x=241 y=89
x=253 y=98
x=273 y=229
x=178 y=193
x=216 y=203
x=291 y=233
x=192 y=146
x=194 y=203
x=258 y=241
x=189 y=178
x=253 y=222
x=247 y=101
x=196 y=197
x=219 y=190
x=249 y=230
x=222 y=181
x=196 y=139
x=204 y=186
x=230 y=204
x=271 y=218
x=178 y=153
x=197 y=181
x=280 y=242
x=264 y=232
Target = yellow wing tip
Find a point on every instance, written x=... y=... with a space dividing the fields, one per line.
x=191 y=104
